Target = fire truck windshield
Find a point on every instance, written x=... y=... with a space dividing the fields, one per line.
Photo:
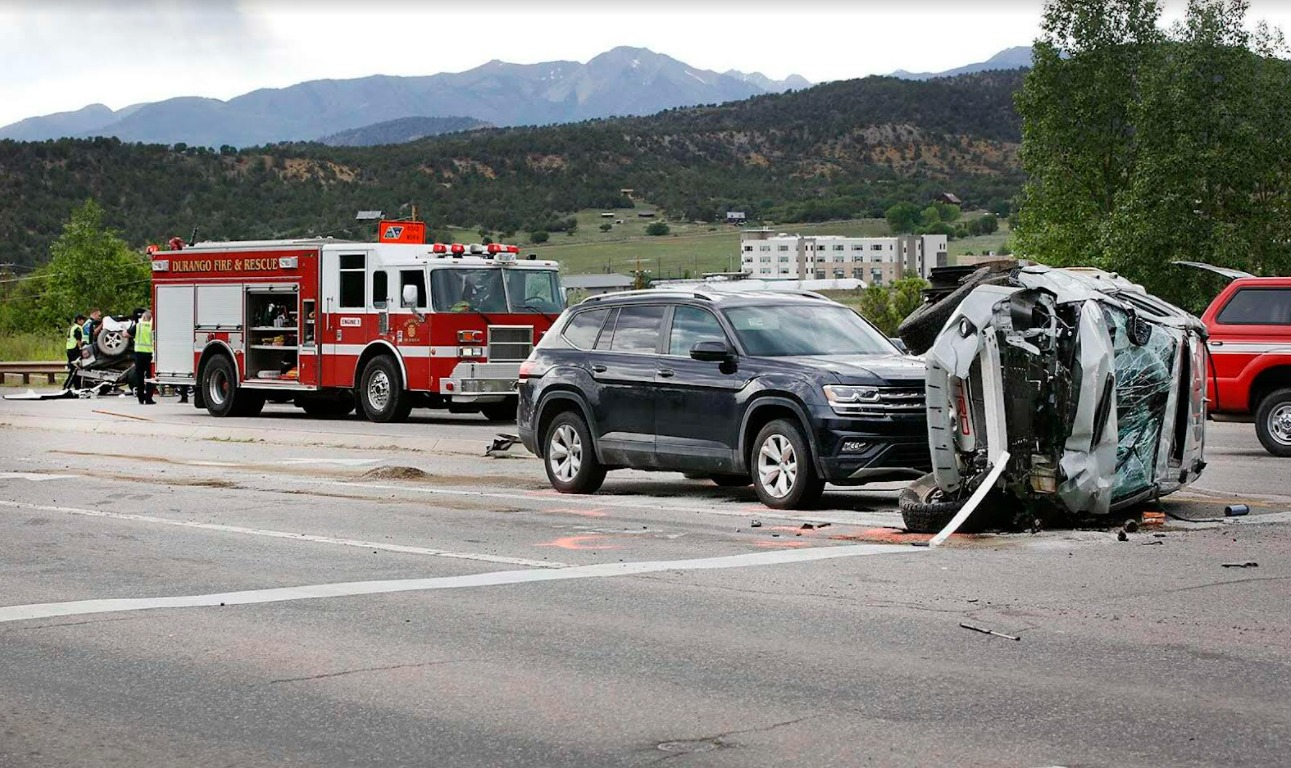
x=486 y=290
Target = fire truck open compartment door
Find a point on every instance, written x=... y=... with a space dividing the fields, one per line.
x=174 y=337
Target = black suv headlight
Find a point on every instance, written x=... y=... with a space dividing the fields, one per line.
x=847 y=400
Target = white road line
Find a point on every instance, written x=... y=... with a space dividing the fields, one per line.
x=496 y=578
x=290 y=536
x=33 y=476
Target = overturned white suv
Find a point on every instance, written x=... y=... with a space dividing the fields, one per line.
x=1072 y=392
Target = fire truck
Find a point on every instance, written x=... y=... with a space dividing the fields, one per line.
x=331 y=325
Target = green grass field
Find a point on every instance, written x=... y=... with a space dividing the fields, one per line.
x=32 y=347
x=688 y=249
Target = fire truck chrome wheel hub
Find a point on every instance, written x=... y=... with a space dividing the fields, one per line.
x=1280 y=424
x=777 y=466
x=217 y=388
x=379 y=390
x=566 y=453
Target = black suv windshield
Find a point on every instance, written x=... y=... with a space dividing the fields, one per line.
x=801 y=329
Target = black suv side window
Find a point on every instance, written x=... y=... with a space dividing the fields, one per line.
x=582 y=328
x=637 y=330
x=691 y=325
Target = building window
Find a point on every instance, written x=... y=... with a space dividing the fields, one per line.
x=858 y=247
x=858 y=273
x=820 y=274
x=840 y=247
x=782 y=248
x=764 y=247
x=748 y=248
x=876 y=247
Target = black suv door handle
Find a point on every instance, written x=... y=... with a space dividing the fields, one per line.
x=598 y=369
x=666 y=373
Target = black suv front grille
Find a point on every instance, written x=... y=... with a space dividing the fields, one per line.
x=893 y=401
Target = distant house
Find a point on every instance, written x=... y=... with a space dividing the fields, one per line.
x=645 y=214
x=627 y=192
x=736 y=217
x=607 y=214
x=947 y=197
x=593 y=285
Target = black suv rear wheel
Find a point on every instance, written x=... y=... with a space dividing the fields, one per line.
x=570 y=457
x=784 y=475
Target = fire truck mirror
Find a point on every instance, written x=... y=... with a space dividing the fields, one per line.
x=410 y=296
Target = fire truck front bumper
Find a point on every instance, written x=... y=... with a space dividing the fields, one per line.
x=481 y=382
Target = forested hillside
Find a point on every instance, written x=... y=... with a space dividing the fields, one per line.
x=837 y=150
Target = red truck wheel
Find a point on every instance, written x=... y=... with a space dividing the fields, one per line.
x=1273 y=422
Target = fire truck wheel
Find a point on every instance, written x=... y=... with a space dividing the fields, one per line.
x=247 y=403
x=503 y=411
x=570 y=457
x=219 y=386
x=381 y=391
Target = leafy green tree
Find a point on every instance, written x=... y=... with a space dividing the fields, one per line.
x=606 y=227
x=984 y=225
x=905 y=295
x=903 y=218
x=539 y=236
x=1078 y=135
x=90 y=266
x=876 y=306
x=657 y=229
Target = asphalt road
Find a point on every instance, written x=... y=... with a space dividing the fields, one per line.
x=179 y=590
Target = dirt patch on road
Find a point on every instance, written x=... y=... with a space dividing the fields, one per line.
x=395 y=473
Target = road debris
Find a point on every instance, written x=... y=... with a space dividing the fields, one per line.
x=1131 y=525
x=1151 y=543
x=986 y=631
x=755 y=524
x=1236 y=510
x=502 y=443
x=1243 y=564
x=1122 y=536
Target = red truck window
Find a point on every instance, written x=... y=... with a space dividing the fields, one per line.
x=1257 y=306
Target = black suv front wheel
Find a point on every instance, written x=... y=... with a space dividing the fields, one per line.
x=783 y=473
x=570 y=457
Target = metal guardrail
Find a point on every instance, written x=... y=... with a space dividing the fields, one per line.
x=26 y=369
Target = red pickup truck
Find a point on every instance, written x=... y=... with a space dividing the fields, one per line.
x=1249 y=373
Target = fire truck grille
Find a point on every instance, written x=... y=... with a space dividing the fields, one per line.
x=509 y=343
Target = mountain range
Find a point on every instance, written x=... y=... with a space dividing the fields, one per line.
x=620 y=82
x=1018 y=57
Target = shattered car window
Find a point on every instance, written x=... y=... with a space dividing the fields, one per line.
x=1144 y=380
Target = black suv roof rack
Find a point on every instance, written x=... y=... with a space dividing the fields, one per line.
x=704 y=294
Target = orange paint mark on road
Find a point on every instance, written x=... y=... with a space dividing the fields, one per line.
x=781 y=544
x=580 y=542
x=883 y=536
x=794 y=529
x=572 y=511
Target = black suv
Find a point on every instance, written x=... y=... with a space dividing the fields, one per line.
x=786 y=391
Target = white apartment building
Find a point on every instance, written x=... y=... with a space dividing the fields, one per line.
x=878 y=260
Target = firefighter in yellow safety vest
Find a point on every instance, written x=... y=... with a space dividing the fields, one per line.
x=75 y=340
x=143 y=358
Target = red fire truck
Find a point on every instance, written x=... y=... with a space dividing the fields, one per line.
x=331 y=325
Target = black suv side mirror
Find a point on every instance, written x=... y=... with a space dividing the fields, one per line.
x=712 y=351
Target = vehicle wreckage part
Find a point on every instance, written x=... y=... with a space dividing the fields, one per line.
x=1089 y=455
x=919 y=331
x=925 y=508
x=973 y=501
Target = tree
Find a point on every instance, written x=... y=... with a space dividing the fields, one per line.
x=539 y=236
x=984 y=225
x=657 y=229
x=1078 y=135
x=606 y=227
x=903 y=218
x=906 y=294
x=90 y=266
x=876 y=306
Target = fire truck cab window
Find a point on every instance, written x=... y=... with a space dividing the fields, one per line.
x=353 y=280
x=532 y=290
x=468 y=290
x=380 y=289
x=414 y=277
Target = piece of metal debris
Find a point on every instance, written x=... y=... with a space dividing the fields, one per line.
x=1243 y=564
x=986 y=631
x=1236 y=510
x=502 y=442
x=808 y=527
x=1151 y=543
x=755 y=524
x=1131 y=525
x=1122 y=536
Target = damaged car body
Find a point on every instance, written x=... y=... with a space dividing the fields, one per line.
x=1089 y=391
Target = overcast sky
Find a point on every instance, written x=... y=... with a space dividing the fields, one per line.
x=58 y=55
